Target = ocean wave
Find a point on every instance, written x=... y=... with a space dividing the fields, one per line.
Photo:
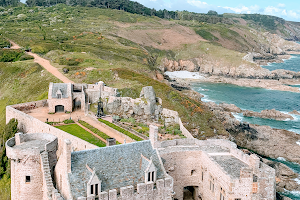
x=298 y=142
x=281 y=159
x=184 y=74
x=206 y=98
x=238 y=117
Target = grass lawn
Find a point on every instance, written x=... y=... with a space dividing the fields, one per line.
x=77 y=131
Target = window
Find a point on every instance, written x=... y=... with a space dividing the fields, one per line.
x=238 y=199
x=96 y=189
x=92 y=189
x=193 y=172
x=59 y=96
x=27 y=179
x=222 y=194
x=202 y=175
x=151 y=176
x=211 y=183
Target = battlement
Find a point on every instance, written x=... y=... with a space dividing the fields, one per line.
x=161 y=189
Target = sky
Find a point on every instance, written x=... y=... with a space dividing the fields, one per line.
x=286 y=9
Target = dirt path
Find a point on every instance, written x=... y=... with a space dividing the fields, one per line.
x=88 y=130
x=44 y=63
x=14 y=45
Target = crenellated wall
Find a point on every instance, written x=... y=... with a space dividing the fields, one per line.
x=144 y=191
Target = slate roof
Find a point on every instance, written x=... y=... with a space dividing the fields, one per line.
x=116 y=166
x=60 y=86
x=230 y=164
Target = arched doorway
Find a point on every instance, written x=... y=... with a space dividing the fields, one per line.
x=76 y=104
x=191 y=193
x=59 y=108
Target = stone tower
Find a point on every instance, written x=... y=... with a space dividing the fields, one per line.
x=33 y=157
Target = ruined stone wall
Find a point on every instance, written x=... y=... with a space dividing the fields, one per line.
x=29 y=124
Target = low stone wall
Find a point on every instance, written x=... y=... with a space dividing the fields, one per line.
x=132 y=131
x=184 y=131
x=29 y=124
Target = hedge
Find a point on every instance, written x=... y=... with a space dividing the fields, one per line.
x=93 y=129
x=131 y=135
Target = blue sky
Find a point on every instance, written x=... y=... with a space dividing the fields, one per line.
x=287 y=9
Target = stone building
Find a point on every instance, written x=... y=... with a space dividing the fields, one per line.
x=67 y=97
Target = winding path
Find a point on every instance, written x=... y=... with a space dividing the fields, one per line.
x=46 y=64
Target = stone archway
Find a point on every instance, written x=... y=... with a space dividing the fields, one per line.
x=191 y=193
x=59 y=108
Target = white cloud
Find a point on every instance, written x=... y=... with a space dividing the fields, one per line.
x=281 y=5
x=244 y=9
x=199 y=4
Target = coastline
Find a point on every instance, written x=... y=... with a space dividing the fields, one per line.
x=183 y=79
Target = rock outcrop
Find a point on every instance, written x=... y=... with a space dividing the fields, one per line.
x=294 y=112
x=268 y=114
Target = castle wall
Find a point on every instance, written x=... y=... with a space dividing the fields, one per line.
x=29 y=124
x=66 y=102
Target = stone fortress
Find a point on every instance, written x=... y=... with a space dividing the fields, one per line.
x=50 y=164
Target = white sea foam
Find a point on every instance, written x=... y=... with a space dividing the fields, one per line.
x=281 y=159
x=238 y=117
x=297 y=180
x=295 y=130
x=184 y=74
x=298 y=142
x=206 y=99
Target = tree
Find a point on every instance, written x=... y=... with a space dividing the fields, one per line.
x=10 y=129
x=212 y=12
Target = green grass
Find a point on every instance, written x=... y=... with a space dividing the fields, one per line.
x=131 y=135
x=77 y=131
x=94 y=130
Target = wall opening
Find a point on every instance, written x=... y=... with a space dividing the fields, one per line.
x=27 y=179
x=190 y=193
x=59 y=108
x=76 y=104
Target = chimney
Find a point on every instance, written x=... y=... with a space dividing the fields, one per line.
x=110 y=142
x=67 y=153
x=153 y=134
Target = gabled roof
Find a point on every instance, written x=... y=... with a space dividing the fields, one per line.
x=116 y=166
x=63 y=87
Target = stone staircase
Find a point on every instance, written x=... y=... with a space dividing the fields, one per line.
x=47 y=174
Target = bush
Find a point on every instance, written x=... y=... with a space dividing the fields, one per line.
x=131 y=135
x=9 y=55
x=26 y=57
x=4 y=42
x=93 y=129
x=68 y=61
x=68 y=121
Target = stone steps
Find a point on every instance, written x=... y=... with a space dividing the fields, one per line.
x=47 y=174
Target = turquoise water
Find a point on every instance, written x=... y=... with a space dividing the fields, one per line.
x=292 y=64
x=255 y=99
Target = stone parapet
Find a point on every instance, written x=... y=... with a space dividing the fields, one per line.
x=144 y=191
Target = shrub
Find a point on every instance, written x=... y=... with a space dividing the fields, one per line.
x=4 y=42
x=131 y=135
x=70 y=62
x=26 y=57
x=68 y=121
x=9 y=55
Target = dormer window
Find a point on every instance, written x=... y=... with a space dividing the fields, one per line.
x=94 y=184
x=149 y=169
x=59 y=96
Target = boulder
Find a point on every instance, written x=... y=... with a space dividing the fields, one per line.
x=230 y=107
x=268 y=114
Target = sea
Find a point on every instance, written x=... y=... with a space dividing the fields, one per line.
x=258 y=99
